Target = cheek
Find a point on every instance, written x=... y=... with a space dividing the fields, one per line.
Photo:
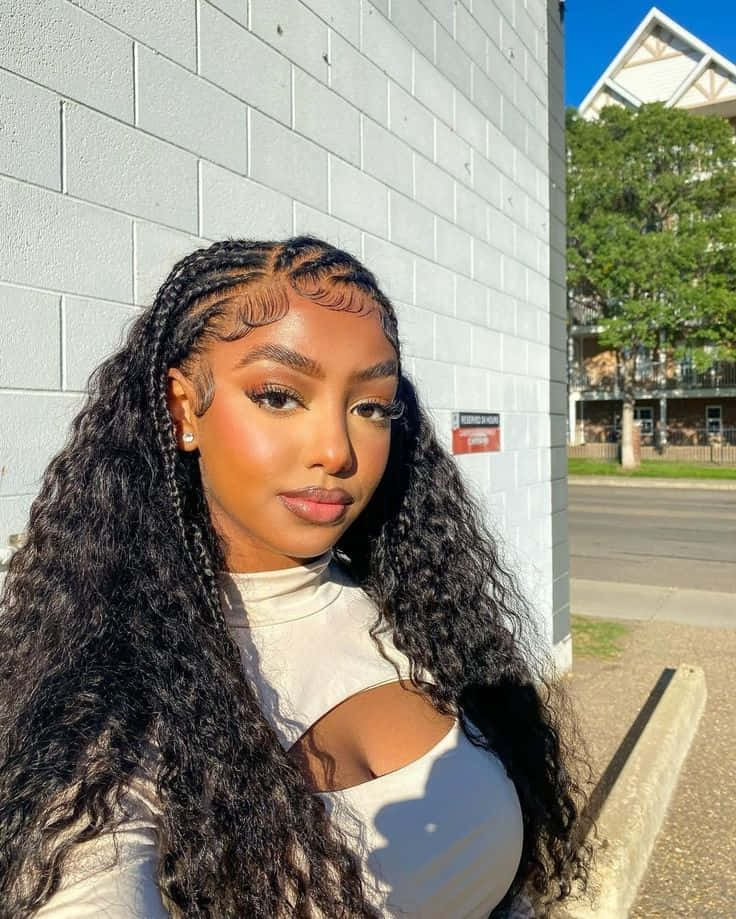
x=236 y=446
x=250 y=446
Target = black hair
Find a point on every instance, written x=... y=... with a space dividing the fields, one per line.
x=113 y=640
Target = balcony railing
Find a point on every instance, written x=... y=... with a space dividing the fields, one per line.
x=680 y=435
x=653 y=377
x=719 y=375
x=591 y=314
x=584 y=314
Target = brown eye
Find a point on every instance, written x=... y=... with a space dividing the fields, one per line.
x=369 y=409
x=275 y=398
x=378 y=411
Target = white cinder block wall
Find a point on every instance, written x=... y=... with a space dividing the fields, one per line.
x=414 y=133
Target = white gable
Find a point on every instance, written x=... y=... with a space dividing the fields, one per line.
x=606 y=97
x=657 y=79
x=714 y=85
x=663 y=62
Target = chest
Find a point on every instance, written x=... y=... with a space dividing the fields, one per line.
x=434 y=820
x=371 y=734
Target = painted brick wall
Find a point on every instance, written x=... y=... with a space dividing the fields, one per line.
x=558 y=345
x=414 y=133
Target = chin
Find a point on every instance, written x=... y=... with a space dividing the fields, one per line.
x=311 y=545
x=315 y=549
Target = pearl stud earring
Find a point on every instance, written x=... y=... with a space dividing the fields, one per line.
x=188 y=438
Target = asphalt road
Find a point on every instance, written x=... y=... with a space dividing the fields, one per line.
x=666 y=558
x=654 y=537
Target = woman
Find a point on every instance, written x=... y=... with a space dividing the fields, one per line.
x=259 y=657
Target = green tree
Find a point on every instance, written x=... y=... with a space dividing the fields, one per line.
x=652 y=235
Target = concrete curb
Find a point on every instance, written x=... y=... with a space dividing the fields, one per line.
x=620 y=600
x=643 y=482
x=633 y=812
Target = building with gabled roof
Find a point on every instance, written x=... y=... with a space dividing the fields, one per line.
x=660 y=62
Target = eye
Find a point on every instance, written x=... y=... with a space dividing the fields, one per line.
x=275 y=398
x=379 y=411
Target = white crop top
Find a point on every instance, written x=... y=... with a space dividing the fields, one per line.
x=440 y=838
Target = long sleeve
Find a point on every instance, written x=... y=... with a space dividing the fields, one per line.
x=113 y=876
x=105 y=881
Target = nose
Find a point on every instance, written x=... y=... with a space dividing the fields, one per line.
x=329 y=442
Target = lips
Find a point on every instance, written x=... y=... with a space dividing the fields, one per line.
x=321 y=495
x=317 y=505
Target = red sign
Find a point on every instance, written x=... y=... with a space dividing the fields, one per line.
x=476 y=432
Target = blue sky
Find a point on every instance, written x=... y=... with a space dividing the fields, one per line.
x=595 y=31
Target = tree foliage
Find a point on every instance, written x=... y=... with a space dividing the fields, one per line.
x=652 y=227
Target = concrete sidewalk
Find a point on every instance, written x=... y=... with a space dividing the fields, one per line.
x=646 y=482
x=619 y=600
x=692 y=871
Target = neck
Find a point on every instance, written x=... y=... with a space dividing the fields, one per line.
x=263 y=566
x=258 y=598
x=253 y=560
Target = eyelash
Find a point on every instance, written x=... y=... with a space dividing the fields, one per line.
x=391 y=410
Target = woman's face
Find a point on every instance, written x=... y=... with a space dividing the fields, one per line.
x=298 y=404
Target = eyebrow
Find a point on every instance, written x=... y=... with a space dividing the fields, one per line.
x=303 y=364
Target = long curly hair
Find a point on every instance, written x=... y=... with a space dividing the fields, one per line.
x=112 y=636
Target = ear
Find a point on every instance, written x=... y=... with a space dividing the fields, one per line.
x=180 y=400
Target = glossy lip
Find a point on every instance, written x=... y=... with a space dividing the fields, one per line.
x=317 y=505
x=320 y=495
x=314 y=511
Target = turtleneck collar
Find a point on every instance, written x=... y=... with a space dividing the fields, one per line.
x=262 y=598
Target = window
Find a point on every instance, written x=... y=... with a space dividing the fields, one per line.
x=713 y=419
x=645 y=415
x=644 y=363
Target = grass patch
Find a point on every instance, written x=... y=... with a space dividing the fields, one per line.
x=597 y=637
x=660 y=469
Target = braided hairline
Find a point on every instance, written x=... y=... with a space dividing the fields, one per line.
x=315 y=270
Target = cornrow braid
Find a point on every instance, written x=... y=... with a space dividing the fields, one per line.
x=164 y=310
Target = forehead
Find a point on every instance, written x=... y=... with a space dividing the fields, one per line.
x=348 y=338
